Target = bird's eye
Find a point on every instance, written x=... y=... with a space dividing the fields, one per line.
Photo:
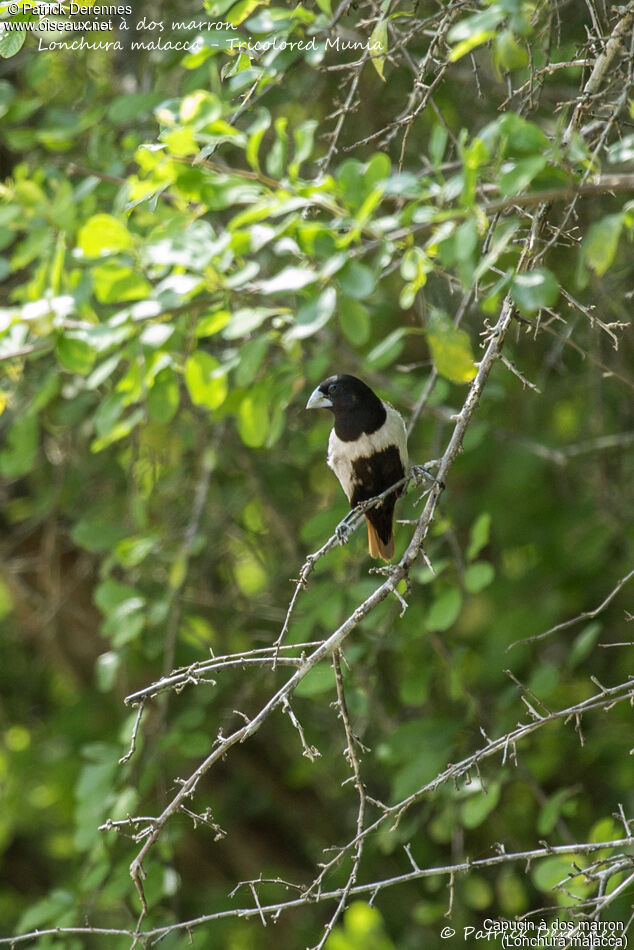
x=333 y=388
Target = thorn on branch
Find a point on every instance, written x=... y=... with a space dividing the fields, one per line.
x=510 y=365
x=408 y=851
x=311 y=752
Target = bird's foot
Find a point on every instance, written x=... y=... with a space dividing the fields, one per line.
x=343 y=531
x=388 y=570
x=422 y=475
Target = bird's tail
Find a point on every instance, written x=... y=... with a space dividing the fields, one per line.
x=377 y=547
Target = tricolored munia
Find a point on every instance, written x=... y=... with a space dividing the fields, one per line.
x=367 y=451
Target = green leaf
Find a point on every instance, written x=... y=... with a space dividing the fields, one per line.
x=256 y=133
x=130 y=552
x=535 y=289
x=551 y=871
x=444 y=611
x=206 y=380
x=217 y=8
x=388 y=349
x=200 y=109
x=521 y=174
x=155 y=335
x=21 y=447
x=354 y=321
x=437 y=143
x=7 y=95
x=479 y=535
x=320 y=680
x=420 y=748
x=276 y=158
x=622 y=151
x=478 y=576
x=356 y=280
x=253 y=420
x=245 y=321
x=131 y=106
x=450 y=349
x=485 y=20
x=212 y=323
x=119 y=430
x=509 y=55
x=126 y=621
x=288 y=280
x=304 y=136
x=601 y=243
x=49 y=909
x=97 y=533
x=11 y=43
x=74 y=354
x=478 y=806
x=550 y=812
x=102 y=234
x=313 y=315
x=108 y=413
x=114 y=283
x=244 y=9
x=111 y=593
x=379 y=47
x=521 y=135
x=465 y=46
x=583 y=644
x=251 y=356
x=164 y=396
x=350 y=182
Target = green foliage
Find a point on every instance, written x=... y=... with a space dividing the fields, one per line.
x=362 y=929
x=185 y=252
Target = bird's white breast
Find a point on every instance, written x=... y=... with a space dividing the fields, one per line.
x=341 y=455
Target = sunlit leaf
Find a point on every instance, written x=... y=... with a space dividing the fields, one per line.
x=313 y=315
x=114 y=283
x=450 y=349
x=243 y=9
x=378 y=46
x=466 y=46
x=103 y=234
x=288 y=280
x=206 y=380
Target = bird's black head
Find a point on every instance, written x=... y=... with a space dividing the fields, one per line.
x=356 y=408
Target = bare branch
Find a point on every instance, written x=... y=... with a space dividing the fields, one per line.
x=611 y=865
x=585 y=615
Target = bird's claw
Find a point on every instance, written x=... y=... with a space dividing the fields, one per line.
x=422 y=475
x=388 y=570
x=343 y=532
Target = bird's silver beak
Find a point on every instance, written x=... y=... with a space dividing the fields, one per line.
x=318 y=400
